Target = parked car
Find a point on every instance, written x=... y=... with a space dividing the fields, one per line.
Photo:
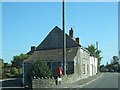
x=111 y=70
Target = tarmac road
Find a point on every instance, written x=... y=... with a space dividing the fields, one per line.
x=108 y=80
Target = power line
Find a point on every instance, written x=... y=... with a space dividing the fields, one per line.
x=11 y=50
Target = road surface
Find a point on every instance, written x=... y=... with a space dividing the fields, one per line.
x=107 y=80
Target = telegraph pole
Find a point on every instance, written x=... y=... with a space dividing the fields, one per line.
x=97 y=45
x=64 y=38
x=96 y=54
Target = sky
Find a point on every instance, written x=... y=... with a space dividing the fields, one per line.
x=25 y=24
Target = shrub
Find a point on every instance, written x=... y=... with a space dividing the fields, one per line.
x=14 y=71
x=40 y=69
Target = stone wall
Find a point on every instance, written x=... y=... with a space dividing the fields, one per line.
x=70 y=78
x=50 y=82
x=43 y=83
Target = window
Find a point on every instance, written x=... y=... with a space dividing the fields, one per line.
x=49 y=64
x=87 y=69
x=83 y=68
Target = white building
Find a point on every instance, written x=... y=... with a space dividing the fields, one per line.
x=93 y=66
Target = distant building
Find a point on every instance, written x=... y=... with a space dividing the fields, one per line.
x=1 y=66
x=1 y=63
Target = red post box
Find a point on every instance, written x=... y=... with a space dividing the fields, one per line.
x=59 y=71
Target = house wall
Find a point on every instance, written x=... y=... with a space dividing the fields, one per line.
x=96 y=65
x=77 y=64
x=54 y=65
x=82 y=63
x=26 y=77
x=93 y=65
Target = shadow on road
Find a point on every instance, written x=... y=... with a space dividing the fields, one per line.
x=16 y=82
x=13 y=84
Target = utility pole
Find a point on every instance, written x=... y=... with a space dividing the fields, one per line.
x=97 y=45
x=96 y=54
x=64 y=38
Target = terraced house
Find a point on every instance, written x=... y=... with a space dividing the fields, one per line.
x=51 y=51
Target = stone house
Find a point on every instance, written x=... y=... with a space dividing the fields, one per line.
x=51 y=51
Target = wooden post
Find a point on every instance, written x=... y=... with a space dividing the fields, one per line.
x=64 y=39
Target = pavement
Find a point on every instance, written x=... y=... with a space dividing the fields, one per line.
x=80 y=83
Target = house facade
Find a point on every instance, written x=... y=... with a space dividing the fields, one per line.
x=51 y=51
x=93 y=66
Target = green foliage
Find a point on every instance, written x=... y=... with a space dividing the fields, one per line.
x=94 y=52
x=17 y=60
x=40 y=69
x=115 y=60
x=14 y=71
x=114 y=64
x=10 y=72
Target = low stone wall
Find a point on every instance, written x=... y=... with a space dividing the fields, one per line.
x=50 y=82
x=43 y=83
x=70 y=78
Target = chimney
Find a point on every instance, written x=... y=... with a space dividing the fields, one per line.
x=71 y=33
x=33 y=48
x=77 y=40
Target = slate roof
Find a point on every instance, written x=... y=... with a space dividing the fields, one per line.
x=51 y=48
x=53 y=55
x=54 y=40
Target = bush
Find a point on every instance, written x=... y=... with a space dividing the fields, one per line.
x=10 y=72
x=40 y=69
x=14 y=71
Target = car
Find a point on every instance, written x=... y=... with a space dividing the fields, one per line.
x=111 y=70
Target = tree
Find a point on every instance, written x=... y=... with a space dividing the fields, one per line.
x=40 y=69
x=115 y=59
x=115 y=63
x=17 y=61
x=94 y=52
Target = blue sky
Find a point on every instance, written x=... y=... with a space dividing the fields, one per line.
x=27 y=24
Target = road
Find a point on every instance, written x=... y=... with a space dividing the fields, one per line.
x=11 y=83
x=108 y=80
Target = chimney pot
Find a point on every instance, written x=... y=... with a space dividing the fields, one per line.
x=71 y=33
x=77 y=40
x=33 y=48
